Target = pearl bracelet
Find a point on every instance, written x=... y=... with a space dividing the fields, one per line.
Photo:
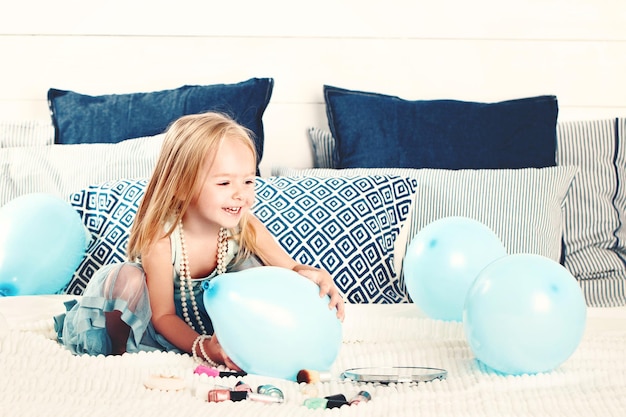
x=205 y=357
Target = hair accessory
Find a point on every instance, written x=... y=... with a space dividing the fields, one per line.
x=270 y=390
x=394 y=374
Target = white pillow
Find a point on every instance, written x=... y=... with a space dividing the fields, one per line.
x=26 y=133
x=595 y=235
x=524 y=207
x=63 y=169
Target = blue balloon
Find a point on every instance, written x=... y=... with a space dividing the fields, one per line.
x=442 y=261
x=271 y=321
x=42 y=242
x=524 y=314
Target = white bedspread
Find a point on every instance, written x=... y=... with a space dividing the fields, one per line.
x=38 y=377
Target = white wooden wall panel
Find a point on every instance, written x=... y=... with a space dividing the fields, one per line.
x=447 y=19
x=581 y=74
x=485 y=50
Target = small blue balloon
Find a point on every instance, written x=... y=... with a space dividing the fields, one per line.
x=271 y=321
x=42 y=242
x=524 y=314
x=442 y=261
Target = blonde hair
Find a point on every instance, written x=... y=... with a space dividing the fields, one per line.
x=176 y=179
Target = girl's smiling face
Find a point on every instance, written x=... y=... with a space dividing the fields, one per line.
x=227 y=190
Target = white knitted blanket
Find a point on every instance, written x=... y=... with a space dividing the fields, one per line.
x=39 y=378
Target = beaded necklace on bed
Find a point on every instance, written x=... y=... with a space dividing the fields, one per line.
x=185 y=275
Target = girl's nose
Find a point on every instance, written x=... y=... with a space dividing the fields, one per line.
x=238 y=194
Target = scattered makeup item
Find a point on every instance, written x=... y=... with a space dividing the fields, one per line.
x=336 y=401
x=242 y=386
x=331 y=401
x=312 y=377
x=165 y=383
x=268 y=399
x=394 y=374
x=336 y=397
x=219 y=395
x=209 y=371
x=360 y=397
x=270 y=390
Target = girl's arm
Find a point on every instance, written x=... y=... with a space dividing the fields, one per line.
x=271 y=253
x=159 y=271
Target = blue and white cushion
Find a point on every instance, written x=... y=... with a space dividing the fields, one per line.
x=346 y=225
x=108 y=211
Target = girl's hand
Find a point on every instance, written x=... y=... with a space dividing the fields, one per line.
x=214 y=349
x=327 y=286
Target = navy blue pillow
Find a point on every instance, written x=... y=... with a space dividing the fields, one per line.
x=80 y=118
x=379 y=131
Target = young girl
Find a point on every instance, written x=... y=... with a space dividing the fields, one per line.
x=194 y=223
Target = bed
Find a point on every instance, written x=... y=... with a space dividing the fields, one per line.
x=39 y=377
x=573 y=172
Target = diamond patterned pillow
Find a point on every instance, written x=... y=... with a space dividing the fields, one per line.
x=346 y=225
x=108 y=211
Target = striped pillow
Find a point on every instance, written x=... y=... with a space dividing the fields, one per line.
x=26 y=133
x=524 y=207
x=63 y=169
x=595 y=236
x=323 y=144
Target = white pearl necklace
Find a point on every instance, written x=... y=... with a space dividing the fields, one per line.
x=185 y=275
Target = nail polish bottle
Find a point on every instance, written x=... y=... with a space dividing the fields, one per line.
x=219 y=395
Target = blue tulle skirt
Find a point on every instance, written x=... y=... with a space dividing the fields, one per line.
x=82 y=329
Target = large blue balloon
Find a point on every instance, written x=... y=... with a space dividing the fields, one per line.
x=271 y=321
x=42 y=242
x=524 y=314
x=442 y=261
